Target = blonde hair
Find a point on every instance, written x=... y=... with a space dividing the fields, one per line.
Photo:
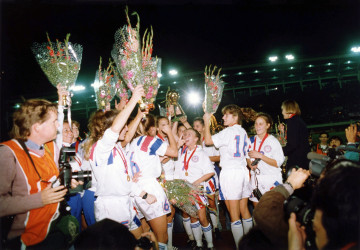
x=291 y=107
x=30 y=112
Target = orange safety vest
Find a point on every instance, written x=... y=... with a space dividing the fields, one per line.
x=38 y=221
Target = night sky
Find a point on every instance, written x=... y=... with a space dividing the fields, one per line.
x=187 y=35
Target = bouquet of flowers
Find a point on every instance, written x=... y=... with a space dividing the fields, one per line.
x=104 y=86
x=281 y=134
x=184 y=196
x=59 y=61
x=120 y=87
x=136 y=66
x=214 y=87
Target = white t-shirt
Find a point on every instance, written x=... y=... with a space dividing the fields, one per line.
x=199 y=165
x=233 y=144
x=169 y=166
x=108 y=166
x=210 y=150
x=270 y=148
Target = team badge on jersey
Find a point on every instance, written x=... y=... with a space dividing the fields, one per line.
x=195 y=158
x=267 y=148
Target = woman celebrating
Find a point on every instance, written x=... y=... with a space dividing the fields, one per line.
x=144 y=153
x=195 y=166
x=213 y=184
x=266 y=174
x=110 y=166
x=233 y=144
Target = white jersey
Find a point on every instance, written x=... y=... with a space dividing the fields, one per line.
x=199 y=165
x=233 y=144
x=270 y=148
x=168 y=168
x=144 y=155
x=106 y=160
x=210 y=150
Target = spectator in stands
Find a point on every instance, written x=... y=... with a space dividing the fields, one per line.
x=335 y=141
x=297 y=145
x=323 y=146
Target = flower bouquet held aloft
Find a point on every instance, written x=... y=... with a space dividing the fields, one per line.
x=104 y=86
x=184 y=196
x=281 y=130
x=60 y=61
x=136 y=66
x=214 y=87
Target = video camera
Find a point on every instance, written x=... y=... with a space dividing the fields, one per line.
x=66 y=173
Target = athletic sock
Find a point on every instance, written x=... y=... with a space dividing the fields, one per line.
x=162 y=246
x=237 y=231
x=196 y=229
x=187 y=226
x=248 y=224
x=213 y=218
x=170 y=234
x=208 y=235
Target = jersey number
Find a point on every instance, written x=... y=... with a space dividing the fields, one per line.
x=237 y=153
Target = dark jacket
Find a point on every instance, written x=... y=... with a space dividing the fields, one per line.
x=297 y=146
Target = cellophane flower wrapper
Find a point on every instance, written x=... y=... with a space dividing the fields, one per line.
x=214 y=87
x=121 y=89
x=104 y=87
x=152 y=69
x=182 y=195
x=60 y=61
x=127 y=56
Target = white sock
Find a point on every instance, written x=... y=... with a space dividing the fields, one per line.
x=208 y=235
x=196 y=229
x=213 y=218
x=162 y=246
x=248 y=224
x=237 y=231
x=187 y=226
x=170 y=234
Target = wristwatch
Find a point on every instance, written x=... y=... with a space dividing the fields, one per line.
x=145 y=196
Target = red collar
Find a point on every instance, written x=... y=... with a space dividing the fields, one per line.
x=158 y=135
x=292 y=115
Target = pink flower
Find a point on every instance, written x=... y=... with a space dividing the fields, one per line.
x=154 y=74
x=123 y=63
x=148 y=95
x=130 y=86
x=109 y=97
x=129 y=74
x=214 y=106
x=117 y=86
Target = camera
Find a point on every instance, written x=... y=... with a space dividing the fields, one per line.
x=304 y=215
x=66 y=173
x=144 y=243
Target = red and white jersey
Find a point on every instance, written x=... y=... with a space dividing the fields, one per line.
x=233 y=144
x=143 y=155
x=270 y=148
x=108 y=166
x=199 y=165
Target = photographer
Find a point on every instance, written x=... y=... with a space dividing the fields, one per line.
x=25 y=183
x=269 y=213
x=336 y=203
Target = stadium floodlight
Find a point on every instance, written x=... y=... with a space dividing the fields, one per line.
x=355 y=49
x=290 y=57
x=77 y=88
x=173 y=72
x=273 y=58
x=159 y=75
x=193 y=98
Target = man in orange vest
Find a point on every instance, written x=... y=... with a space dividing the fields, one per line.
x=26 y=183
x=322 y=147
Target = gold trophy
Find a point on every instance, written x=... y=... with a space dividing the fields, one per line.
x=172 y=104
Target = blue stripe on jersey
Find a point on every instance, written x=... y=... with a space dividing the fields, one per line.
x=155 y=146
x=139 y=141
x=111 y=158
x=137 y=221
x=252 y=139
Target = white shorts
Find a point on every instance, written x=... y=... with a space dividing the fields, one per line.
x=234 y=184
x=136 y=208
x=212 y=185
x=265 y=184
x=160 y=207
x=116 y=208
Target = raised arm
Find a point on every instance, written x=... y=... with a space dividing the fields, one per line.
x=123 y=116
x=132 y=128
x=207 y=135
x=172 y=148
